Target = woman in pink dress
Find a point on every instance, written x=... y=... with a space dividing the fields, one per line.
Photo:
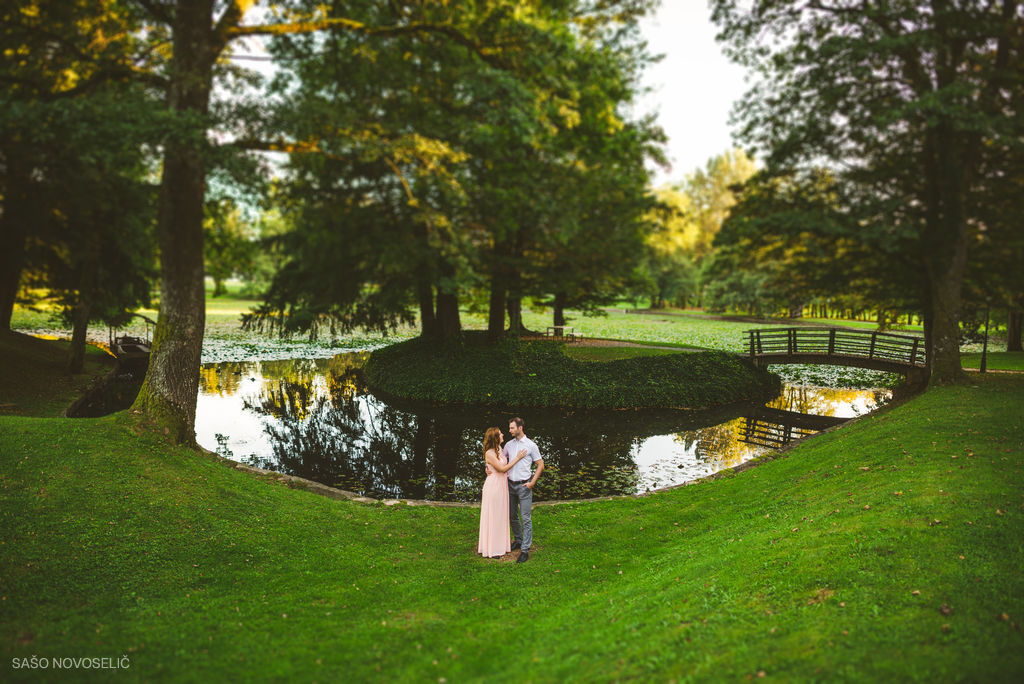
x=494 y=526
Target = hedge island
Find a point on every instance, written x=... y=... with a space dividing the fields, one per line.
x=537 y=373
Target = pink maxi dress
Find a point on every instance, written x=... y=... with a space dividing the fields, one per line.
x=494 y=526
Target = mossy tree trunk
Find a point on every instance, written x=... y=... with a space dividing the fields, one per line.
x=168 y=394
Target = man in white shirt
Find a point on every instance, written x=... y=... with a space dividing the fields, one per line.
x=520 y=486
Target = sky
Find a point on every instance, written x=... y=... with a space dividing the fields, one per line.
x=694 y=86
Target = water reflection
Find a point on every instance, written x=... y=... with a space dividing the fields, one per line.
x=314 y=418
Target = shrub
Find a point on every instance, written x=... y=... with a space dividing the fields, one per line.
x=520 y=373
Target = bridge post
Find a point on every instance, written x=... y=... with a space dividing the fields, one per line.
x=913 y=353
x=792 y=341
x=831 y=341
x=871 y=351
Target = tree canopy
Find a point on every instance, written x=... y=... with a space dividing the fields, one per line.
x=904 y=101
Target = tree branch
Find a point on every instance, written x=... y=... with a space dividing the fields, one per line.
x=487 y=54
x=157 y=10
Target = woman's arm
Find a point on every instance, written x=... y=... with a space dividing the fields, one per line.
x=492 y=460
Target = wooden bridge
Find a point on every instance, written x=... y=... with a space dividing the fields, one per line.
x=775 y=428
x=902 y=354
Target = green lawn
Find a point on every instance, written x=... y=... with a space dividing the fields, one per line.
x=1013 y=361
x=889 y=549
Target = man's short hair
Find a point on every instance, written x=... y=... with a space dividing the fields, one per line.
x=518 y=421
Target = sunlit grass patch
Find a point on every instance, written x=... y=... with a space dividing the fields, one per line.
x=997 y=360
x=585 y=353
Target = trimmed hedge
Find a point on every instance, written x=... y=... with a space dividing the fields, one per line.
x=537 y=373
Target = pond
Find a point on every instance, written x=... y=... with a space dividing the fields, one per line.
x=314 y=418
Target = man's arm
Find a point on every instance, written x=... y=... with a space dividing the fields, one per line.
x=536 y=473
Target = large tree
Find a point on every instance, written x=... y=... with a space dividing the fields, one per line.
x=516 y=174
x=197 y=33
x=902 y=98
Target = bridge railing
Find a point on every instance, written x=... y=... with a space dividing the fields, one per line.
x=868 y=344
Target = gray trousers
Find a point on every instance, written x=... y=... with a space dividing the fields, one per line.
x=520 y=500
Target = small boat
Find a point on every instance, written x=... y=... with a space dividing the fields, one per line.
x=128 y=348
x=132 y=353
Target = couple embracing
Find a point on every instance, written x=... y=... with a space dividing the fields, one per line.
x=508 y=492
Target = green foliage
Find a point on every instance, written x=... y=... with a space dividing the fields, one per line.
x=228 y=245
x=918 y=116
x=787 y=242
x=429 y=170
x=538 y=373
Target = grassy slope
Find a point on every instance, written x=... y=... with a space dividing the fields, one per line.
x=32 y=379
x=114 y=543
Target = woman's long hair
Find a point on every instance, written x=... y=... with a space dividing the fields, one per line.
x=492 y=440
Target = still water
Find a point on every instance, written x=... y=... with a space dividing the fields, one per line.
x=315 y=418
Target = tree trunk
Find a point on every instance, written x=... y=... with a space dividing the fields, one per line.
x=13 y=232
x=559 y=316
x=449 y=326
x=76 y=352
x=1013 y=336
x=12 y=254
x=944 y=253
x=168 y=393
x=425 y=296
x=496 y=309
x=515 y=315
x=218 y=287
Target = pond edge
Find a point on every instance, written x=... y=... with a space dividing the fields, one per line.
x=302 y=483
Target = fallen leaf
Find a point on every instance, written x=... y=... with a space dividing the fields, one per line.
x=945 y=609
x=916 y=592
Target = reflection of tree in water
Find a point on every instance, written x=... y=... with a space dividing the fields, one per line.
x=825 y=401
x=323 y=425
x=349 y=439
x=223 y=379
x=719 y=446
x=580 y=463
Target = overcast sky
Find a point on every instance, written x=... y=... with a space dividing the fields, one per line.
x=694 y=86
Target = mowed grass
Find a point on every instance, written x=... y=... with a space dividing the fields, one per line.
x=996 y=360
x=888 y=549
x=611 y=353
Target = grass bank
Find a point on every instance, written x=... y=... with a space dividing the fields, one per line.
x=888 y=549
x=33 y=380
x=1013 y=361
x=537 y=373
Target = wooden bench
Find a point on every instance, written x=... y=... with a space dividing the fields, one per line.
x=564 y=333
